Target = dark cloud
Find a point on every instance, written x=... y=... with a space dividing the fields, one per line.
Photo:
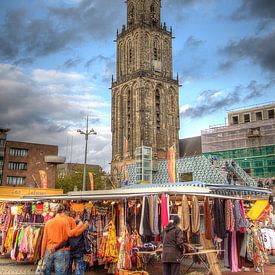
x=184 y=3
x=23 y=61
x=72 y=62
x=193 y=42
x=108 y=65
x=256 y=8
x=61 y=28
x=260 y=50
x=43 y=106
x=211 y=101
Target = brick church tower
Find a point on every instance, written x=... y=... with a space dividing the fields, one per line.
x=145 y=97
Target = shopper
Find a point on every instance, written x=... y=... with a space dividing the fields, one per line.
x=77 y=250
x=173 y=247
x=57 y=230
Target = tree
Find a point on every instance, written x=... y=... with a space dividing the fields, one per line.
x=74 y=179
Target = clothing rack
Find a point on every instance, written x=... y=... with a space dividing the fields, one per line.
x=32 y=224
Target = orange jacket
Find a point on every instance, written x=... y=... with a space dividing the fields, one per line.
x=57 y=230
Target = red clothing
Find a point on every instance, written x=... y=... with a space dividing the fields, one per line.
x=57 y=230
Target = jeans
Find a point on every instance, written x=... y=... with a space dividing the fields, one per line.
x=79 y=265
x=60 y=260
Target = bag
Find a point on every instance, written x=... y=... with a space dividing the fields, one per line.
x=41 y=267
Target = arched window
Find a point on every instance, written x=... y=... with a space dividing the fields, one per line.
x=129 y=116
x=157 y=105
x=156 y=50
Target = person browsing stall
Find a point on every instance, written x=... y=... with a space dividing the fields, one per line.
x=173 y=247
x=57 y=230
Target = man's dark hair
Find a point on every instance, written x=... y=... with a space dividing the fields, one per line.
x=175 y=219
x=60 y=208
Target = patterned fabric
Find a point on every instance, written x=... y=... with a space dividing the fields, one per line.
x=124 y=260
x=229 y=216
x=240 y=221
x=256 y=251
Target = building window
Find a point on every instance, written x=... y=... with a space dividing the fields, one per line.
x=17 y=165
x=157 y=102
x=270 y=113
x=18 y=152
x=235 y=120
x=259 y=116
x=16 y=180
x=246 y=118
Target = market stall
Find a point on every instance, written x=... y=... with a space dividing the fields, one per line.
x=126 y=225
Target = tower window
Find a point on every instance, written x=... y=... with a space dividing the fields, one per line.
x=157 y=104
x=130 y=55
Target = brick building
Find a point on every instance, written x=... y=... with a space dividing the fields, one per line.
x=22 y=162
x=3 y=138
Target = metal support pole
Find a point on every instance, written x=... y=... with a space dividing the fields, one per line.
x=86 y=133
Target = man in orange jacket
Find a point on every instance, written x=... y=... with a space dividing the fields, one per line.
x=58 y=230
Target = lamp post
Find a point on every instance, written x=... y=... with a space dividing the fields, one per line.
x=86 y=133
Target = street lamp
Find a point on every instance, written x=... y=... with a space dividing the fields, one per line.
x=86 y=133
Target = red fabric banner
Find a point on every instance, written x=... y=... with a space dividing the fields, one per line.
x=171 y=160
x=91 y=176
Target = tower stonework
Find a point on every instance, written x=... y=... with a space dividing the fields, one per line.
x=145 y=97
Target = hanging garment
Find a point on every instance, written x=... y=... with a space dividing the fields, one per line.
x=195 y=215
x=121 y=218
x=151 y=212
x=219 y=219
x=185 y=214
x=164 y=211
x=240 y=222
x=146 y=220
x=226 y=254
x=141 y=230
x=234 y=254
x=207 y=219
x=259 y=254
x=124 y=258
x=244 y=246
x=156 y=215
x=229 y=216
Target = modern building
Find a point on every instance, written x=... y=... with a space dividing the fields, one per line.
x=3 y=138
x=145 y=96
x=249 y=139
x=23 y=161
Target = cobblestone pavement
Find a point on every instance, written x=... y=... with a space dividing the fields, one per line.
x=9 y=267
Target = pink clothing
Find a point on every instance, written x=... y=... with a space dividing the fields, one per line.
x=164 y=211
x=234 y=254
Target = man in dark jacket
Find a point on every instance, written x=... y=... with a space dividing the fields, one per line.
x=77 y=251
x=173 y=247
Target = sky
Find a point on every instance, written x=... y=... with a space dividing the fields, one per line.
x=57 y=58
